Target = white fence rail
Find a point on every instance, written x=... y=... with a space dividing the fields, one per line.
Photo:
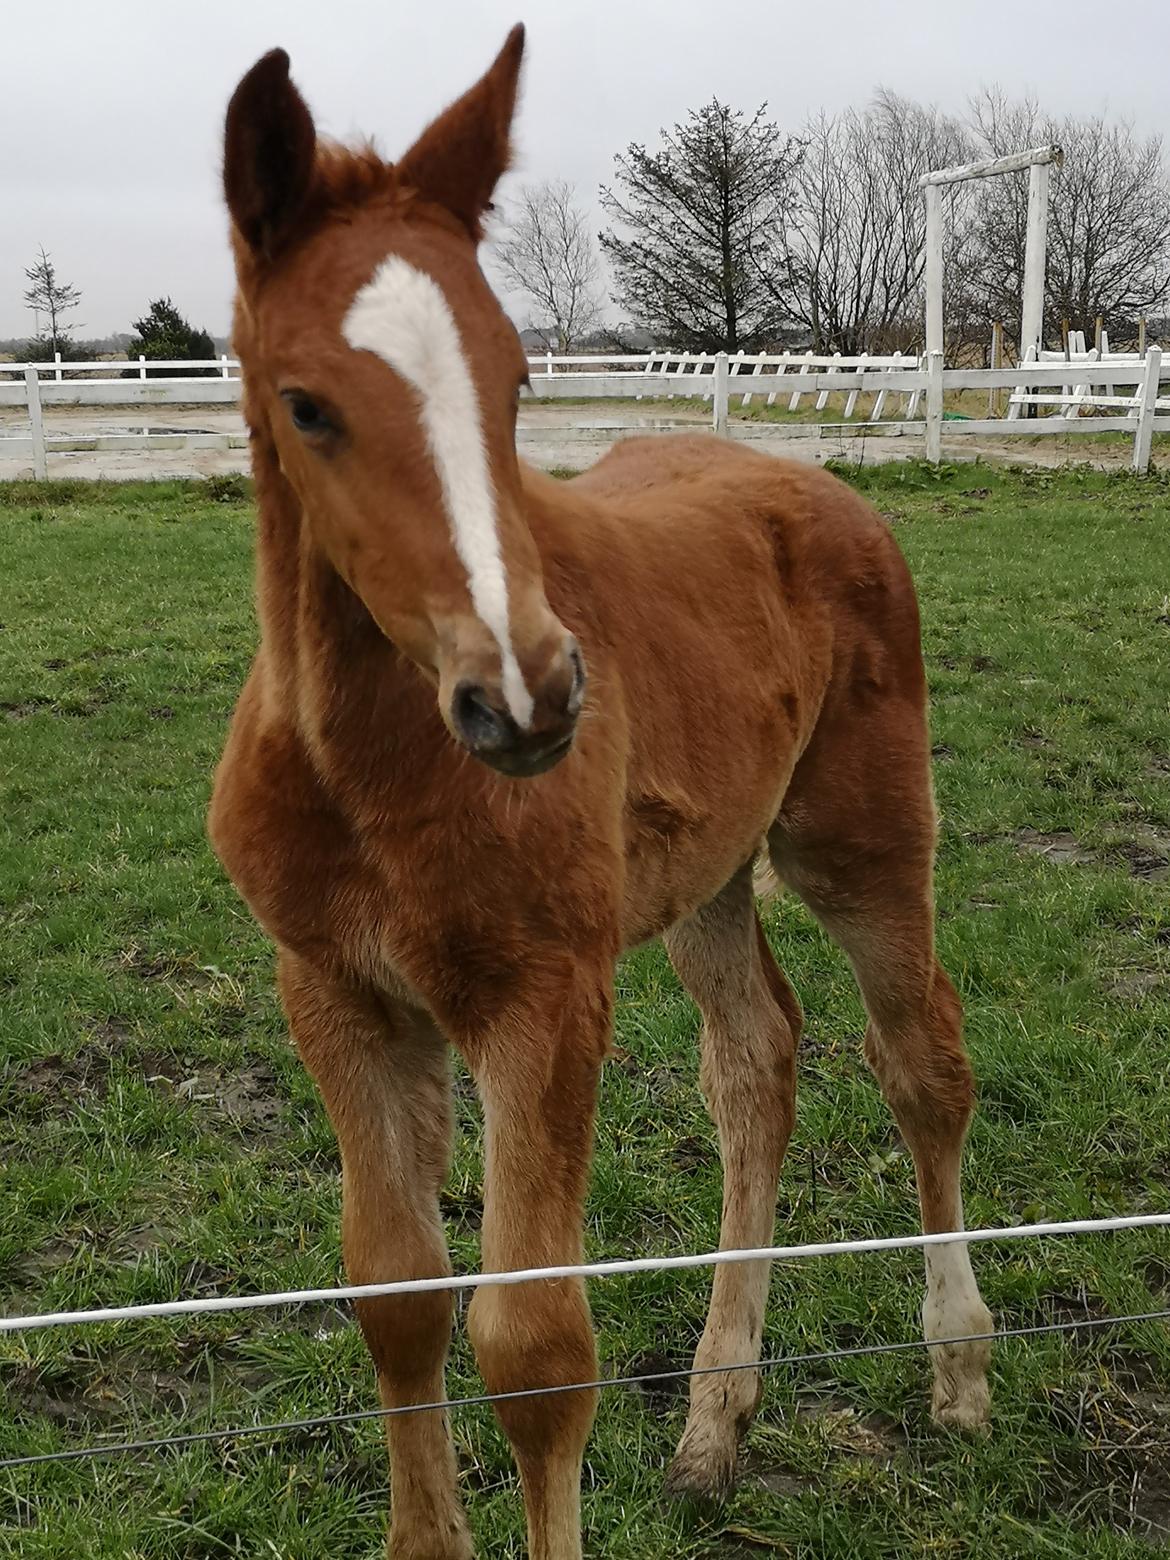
x=1093 y=393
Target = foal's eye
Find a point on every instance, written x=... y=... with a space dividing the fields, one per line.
x=306 y=415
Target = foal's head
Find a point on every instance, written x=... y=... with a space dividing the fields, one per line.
x=388 y=377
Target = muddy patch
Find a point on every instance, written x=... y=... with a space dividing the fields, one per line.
x=24 y=1277
x=1059 y=846
x=21 y=709
x=658 y=1384
x=81 y=1391
x=182 y=975
x=1033 y=737
x=1147 y=856
x=965 y=663
x=875 y=1437
x=249 y=1097
x=782 y=1481
x=1120 y=1451
x=75 y=707
x=689 y=1154
x=1135 y=985
x=66 y=1083
x=1067 y=1307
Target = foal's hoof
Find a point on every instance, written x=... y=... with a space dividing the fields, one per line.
x=964 y=1405
x=703 y=1468
x=446 y=1542
x=962 y=1398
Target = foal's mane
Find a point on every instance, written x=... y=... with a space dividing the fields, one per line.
x=350 y=179
x=346 y=177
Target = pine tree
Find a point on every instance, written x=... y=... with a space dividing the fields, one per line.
x=703 y=221
x=51 y=298
x=165 y=336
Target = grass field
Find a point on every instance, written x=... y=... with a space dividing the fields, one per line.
x=158 y=1138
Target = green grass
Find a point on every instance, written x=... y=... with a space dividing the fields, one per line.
x=157 y=1136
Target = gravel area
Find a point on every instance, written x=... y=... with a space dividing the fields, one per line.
x=550 y=435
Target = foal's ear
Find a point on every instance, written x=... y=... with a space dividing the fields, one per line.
x=458 y=160
x=270 y=146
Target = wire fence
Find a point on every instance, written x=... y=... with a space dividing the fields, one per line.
x=602 y=1383
x=221 y=1303
x=463 y=1281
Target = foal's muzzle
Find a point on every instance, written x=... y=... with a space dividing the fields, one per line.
x=482 y=722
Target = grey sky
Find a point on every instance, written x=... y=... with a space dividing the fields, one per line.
x=113 y=108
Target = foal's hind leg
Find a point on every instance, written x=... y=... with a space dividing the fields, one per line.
x=751 y=1024
x=855 y=839
x=384 y=1073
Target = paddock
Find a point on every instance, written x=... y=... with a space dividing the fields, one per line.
x=164 y=1141
x=121 y=443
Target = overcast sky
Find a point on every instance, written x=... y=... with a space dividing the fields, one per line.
x=113 y=109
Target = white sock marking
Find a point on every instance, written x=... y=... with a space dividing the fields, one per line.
x=953 y=1305
x=403 y=317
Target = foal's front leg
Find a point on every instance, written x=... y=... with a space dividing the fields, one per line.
x=384 y=1073
x=538 y=1077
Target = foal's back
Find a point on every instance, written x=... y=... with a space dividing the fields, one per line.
x=727 y=599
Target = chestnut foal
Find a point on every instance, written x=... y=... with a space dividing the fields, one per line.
x=428 y=608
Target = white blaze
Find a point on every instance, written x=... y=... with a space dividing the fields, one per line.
x=403 y=317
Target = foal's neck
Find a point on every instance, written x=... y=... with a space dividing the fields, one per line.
x=331 y=669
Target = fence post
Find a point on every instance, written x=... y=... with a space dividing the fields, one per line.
x=223 y=366
x=851 y=398
x=32 y=390
x=57 y=360
x=934 y=406
x=996 y=362
x=1147 y=410
x=934 y=286
x=719 y=399
x=794 y=398
x=141 y=366
x=1035 y=253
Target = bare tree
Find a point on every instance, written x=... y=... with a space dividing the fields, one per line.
x=1108 y=223
x=548 y=252
x=52 y=298
x=702 y=218
x=854 y=247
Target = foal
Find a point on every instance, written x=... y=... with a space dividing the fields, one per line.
x=428 y=609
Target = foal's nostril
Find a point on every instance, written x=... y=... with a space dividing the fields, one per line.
x=484 y=728
x=577 y=689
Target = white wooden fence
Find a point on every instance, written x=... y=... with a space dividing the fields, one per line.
x=1094 y=393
